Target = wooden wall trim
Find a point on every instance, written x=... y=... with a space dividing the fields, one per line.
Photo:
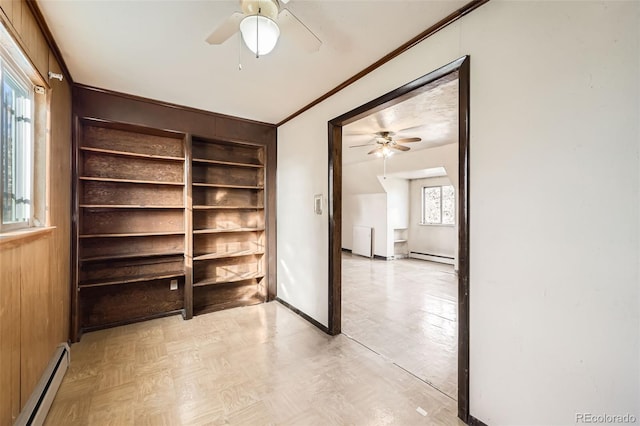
x=476 y=422
x=23 y=236
x=464 y=80
x=302 y=314
x=169 y=104
x=46 y=32
x=443 y=23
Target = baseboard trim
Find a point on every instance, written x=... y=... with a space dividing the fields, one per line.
x=432 y=257
x=475 y=422
x=37 y=407
x=303 y=315
x=346 y=250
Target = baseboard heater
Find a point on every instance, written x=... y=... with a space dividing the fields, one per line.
x=432 y=257
x=37 y=407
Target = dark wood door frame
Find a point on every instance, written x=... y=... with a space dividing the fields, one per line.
x=461 y=67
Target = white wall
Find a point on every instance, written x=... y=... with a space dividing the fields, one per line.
x=397 y=208
x=441 y=240
x=368 y=210
x=554 y=297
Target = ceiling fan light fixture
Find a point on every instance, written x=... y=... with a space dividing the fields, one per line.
x=385 y=152
x=259 y=33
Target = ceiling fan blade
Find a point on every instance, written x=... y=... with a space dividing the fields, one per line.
x=373 y=151
x=226 y=29
x=406 y=140
x=400 y=147
x=364 y=144
x=299 y=31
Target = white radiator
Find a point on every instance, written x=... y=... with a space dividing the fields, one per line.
x=362 y=241
x=35 y=412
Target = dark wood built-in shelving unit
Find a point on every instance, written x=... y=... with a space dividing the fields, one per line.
x=157 y=207
x=228 y=224
x=131 y=208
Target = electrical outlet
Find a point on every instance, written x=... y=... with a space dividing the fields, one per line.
x=173 y=285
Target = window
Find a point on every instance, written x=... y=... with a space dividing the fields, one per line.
x=438 y=205
x=17 y=141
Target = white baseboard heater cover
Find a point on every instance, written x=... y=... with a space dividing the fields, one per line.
x=362 y=241
x=35 y=412
x=432 y=257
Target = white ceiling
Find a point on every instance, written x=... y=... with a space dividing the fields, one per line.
x=156 y=49
x=431 y=115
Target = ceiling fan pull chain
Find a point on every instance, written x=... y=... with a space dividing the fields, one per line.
x=240 y=52
x=257 y=34
x=384 y=167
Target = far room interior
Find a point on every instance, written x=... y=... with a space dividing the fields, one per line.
x=399 y=240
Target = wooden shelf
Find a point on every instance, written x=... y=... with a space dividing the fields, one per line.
x=224 y=231
x=145 y=182
x=225 y=255
x=216 y=185
x=226 y=163
x=130 y=256
x=254 y=300
x=229 y=279
x=228 y=207
x=125 y=206
x=129 y=279
x=130 y=154
x=132 y=234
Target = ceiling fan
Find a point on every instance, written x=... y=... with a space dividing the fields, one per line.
x=386 y=144
x=260 y=22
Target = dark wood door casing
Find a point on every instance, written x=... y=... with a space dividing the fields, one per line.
x=459 y=69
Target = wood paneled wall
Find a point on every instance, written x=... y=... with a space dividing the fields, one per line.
x=35 y=271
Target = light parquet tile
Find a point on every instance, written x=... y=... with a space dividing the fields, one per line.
x=258 y=365
x=406 y=310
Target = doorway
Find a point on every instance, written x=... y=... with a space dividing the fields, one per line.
x=461 y=66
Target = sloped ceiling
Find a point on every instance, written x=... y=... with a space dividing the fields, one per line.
x=156 y=49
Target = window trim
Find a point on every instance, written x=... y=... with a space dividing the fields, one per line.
x=423 y=221
x=16 y=62
x=7 y=66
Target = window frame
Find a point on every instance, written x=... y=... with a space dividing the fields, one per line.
x=15 y=62
x=423 y=219
x=10 y=70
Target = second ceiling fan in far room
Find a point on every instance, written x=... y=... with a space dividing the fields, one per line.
x=386 y=144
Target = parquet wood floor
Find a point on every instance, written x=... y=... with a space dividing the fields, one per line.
x=256 y=365
x=406 y=310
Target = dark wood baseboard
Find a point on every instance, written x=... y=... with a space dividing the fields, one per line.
x=346 y=250
x=303 y=315
x=475 y=422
